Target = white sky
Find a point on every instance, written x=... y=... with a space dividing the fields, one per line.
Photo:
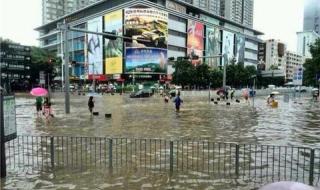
x=279 y=19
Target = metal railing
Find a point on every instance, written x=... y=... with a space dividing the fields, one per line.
x=258 y=163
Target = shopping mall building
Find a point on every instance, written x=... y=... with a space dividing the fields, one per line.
x=169 y=28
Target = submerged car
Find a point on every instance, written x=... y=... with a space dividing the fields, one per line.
x=144 y=93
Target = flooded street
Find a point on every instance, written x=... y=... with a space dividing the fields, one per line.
x=289 y=124
x=292 y=123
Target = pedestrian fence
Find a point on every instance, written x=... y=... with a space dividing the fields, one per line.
x=259 y=163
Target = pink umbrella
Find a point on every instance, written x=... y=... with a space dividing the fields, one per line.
x=287 y=185
x=39 y=92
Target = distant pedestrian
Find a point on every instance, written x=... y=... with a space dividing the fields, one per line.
x=166 y=98
x=39 y=102
x=47 y=110
x=232 y=94
x=91 y=104
x=178 y=101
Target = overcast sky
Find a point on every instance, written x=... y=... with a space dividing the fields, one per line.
x=279 y=19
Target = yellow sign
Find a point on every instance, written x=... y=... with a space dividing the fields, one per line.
x=113 y=49
x=113 y=65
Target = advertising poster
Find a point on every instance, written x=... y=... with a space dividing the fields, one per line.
x=94 y=47
x=240 y=45
x=213 y=46
x=146 y=24
x=227 y=46
x=113 y=49
x=195 y=40
x=150 y=25
x=146 y=60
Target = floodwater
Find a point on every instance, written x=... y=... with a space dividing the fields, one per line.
x=292 y=123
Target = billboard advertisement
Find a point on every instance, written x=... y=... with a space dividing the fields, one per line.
x=146 y=60
x=240 y=46
x=146 y=24
x=213 y=46
x=94 y=47
x=151 y=26
x=227 y=46
x=195 y=40
x=113 y=49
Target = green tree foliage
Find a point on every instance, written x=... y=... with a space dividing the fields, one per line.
x=202 y=75
x=184 y=73
x=312 y=66
x=43 y=60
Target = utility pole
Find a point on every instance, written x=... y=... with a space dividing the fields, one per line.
x=3 y=167
x=64 y=28
x=226 y=60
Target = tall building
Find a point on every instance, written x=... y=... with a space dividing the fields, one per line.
x=15 y=60
x=293 y=60
x=275 y=55
x=175 y=28
x=305 y=39
x=311 y=21
x=240 y=11
x=54 y=9
x=213 y=6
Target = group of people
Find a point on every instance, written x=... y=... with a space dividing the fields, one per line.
x=43 y=107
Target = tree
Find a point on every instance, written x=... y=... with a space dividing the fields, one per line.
x=215 y=77
x=312 y=66
x=184 y=73
x=202 y=75
x=43 y=60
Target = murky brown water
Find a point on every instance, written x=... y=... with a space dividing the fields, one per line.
x=290 y=124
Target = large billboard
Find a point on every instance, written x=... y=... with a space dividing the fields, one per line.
x=151 y=26
x=113 y=49
x=142 y=60
x=213 y=46
x=195 y=40
x=94 y=47
x=240 y=46
x=227 y=47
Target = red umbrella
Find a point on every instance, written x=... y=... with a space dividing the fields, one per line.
x=39 y=92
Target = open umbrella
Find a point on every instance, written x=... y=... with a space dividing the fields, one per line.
x=39 y=91
x=287 y=185
x=275 y=92
x=220 y=91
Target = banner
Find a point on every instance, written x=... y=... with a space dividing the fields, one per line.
x=298 y=75
x=113 y=49
x=94 y=47
x=150 y=25
x=227 y=47
x=240 y=46
x=195 y=40
x=146 y=24
x=146 y=60
x=213 y=46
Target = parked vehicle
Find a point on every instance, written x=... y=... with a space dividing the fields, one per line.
x=144 y=93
